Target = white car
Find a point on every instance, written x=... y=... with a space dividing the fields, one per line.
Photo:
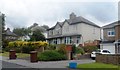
x=99 y=51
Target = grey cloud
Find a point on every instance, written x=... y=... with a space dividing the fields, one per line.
x=53 y=12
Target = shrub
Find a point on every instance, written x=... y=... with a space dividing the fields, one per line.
x=50 y=56
x=73 y=49
x=51 y=47
x=18 y=50
x=25 y=46
x=28 y=49
x=80 y=50
x=89 y=49
x=62 y=48
x=7 y=49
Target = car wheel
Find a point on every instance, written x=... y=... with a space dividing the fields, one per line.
x=93 y=58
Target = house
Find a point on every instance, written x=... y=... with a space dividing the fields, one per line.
x=111 y=34
x=75 y=30
x=24 y=38
x=10 y=36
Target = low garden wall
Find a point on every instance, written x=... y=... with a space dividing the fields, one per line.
x=84 y=56
x=108 y=58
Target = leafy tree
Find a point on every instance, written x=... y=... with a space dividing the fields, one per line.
x=21 y=31
x=46 y=26
x=37 y=36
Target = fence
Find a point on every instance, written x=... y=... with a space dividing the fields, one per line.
x=108 y=58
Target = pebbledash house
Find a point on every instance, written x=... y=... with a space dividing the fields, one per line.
x=75 y=30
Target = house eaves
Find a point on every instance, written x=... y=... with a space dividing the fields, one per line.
x=112 y=25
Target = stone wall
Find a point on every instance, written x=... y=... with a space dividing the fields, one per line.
x=108 y=58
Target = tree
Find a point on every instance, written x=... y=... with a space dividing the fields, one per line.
x=2 y=21
x=46 y=26
x=21 y=31
x=37 y=36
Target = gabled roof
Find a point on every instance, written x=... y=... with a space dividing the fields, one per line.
x=9 y=33
x=59 y=23
x=75 y=20
x=80 y=19
x=112 y=24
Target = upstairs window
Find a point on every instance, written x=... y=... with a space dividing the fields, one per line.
x=111 y=33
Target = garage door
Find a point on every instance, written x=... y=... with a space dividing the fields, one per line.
x=109 y=46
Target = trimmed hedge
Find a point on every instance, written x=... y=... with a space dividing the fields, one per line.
x=51 y=56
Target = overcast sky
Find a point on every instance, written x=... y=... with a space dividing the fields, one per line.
x=23 y=13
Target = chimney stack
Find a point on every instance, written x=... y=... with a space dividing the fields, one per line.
x=72 y=15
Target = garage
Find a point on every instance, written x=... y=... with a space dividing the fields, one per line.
x=109 y=46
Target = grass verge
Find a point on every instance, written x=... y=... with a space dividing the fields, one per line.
x=97 y=66
x=19 y=55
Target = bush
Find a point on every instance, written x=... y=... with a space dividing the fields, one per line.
x=50 y=56
x=62 y=48
x=28 y=49
x=24 y=46
x=80 y=50
x=52 y=47
x=73 y=49
x=89 y=49
x=7 y=49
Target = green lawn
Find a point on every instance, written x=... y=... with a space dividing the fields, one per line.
x=19 y=55
x=98 y=66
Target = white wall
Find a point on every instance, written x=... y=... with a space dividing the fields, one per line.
x=71 y=29
x=45 y=34
x=90 y=32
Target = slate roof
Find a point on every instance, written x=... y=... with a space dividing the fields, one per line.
x=112 y=24
x=60 y=23
x=80 y=19
x=76 y=20
x=9 y=33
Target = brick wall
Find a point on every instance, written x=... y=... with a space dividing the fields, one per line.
x=108 y=59
x=94 y=43
x=117 y=31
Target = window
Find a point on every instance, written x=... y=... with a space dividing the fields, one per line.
x=111 y=33
x=106 y=51
x=67 y=40
x=78 y=39
x=55 y=41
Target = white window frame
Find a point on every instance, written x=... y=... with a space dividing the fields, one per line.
x=111 y=33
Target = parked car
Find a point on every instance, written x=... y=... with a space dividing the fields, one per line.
x=99 y=51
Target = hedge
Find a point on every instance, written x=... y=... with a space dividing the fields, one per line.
x=51 y=55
